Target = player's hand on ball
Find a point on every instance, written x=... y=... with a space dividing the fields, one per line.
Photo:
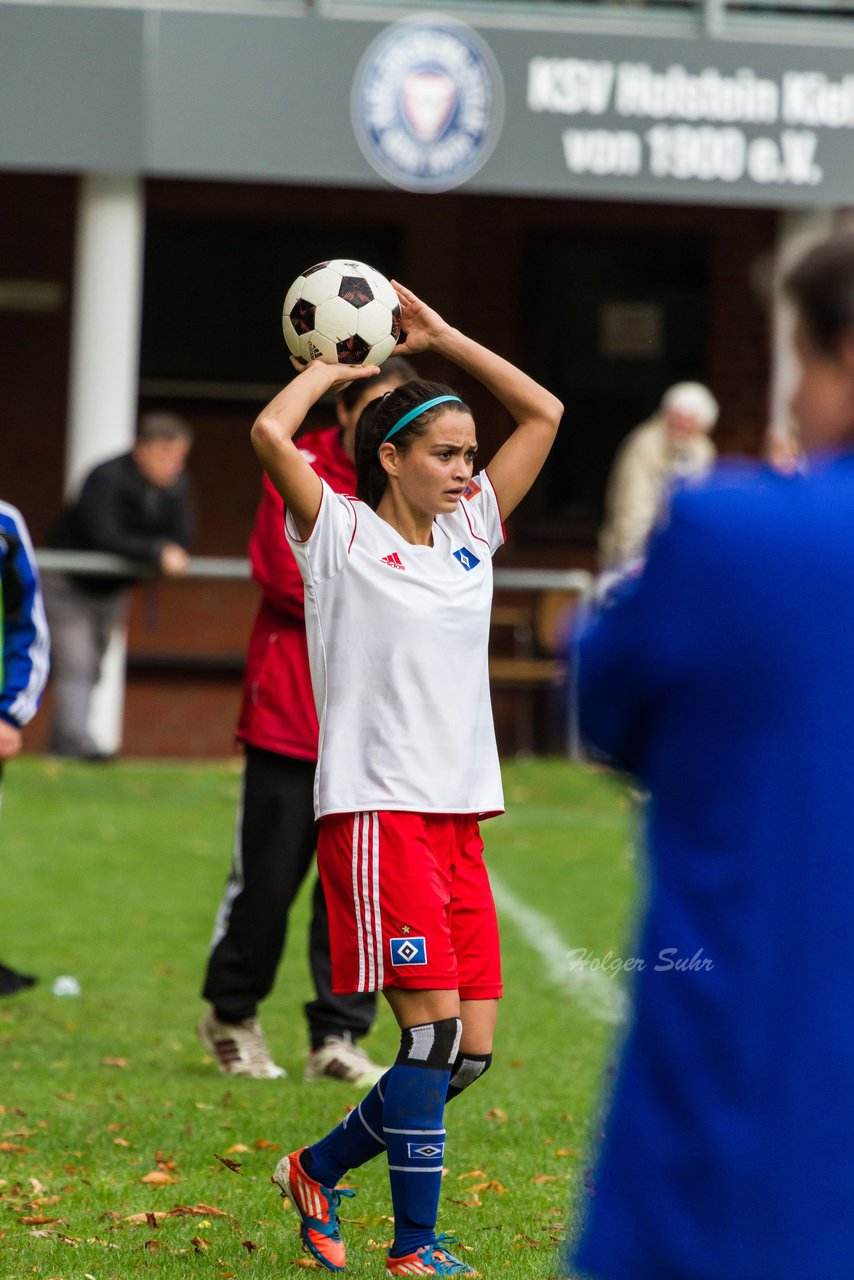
x=333 y=377
x=421 y=327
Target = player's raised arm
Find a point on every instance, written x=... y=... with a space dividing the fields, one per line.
x=276 y=426
x=536 y=412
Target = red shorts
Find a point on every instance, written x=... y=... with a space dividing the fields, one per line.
x=409 y=904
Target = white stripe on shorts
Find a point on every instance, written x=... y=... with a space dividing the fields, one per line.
x=378 y=920
x=367 y=832
x=366 y=899
x=359 y=936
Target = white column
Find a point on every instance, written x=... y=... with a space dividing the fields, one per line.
x=798 y=231
x=104 y=373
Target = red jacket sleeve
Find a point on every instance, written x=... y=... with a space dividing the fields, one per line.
x=273 y=565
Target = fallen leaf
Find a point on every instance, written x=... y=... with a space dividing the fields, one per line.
x=200 y=1244
x=473 y=1173
x=308 y=1263
x=120 y=1142
x=38 y=1220
x=233 y=1165
x=567 y=1151
x=497 y=1114
x=199 y=1210
x=147 y=1219
x=152 y=1246
x=248 y=1246
x=545 y=1177
x=114 y=1062
x=158 y=1178
x=13 y=1147
x=261 y=1144
x=239 y=1148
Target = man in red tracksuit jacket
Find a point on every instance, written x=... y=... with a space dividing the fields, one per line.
x=276 y=833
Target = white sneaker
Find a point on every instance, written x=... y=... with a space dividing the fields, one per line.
x=338 y=1058
x=239 y=1048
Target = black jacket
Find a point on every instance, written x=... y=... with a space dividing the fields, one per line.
x=118 y=510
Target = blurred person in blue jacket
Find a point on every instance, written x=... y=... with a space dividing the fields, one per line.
x=722 y=678
x=24 y=658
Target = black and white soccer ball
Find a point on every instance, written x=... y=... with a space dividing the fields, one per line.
x=341 y=312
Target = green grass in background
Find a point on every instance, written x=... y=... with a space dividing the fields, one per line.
x=113 y=875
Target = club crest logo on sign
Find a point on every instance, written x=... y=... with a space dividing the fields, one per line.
x=466 y=558
x=408 y=950
x=427 y=103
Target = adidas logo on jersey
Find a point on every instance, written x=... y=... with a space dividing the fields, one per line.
x=393 y=561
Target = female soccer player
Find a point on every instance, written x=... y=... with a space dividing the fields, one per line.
x=723 y=679
x=398 y=588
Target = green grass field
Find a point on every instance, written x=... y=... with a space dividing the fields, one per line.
x=113 y=874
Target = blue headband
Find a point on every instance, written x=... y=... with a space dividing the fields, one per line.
x=415 y=413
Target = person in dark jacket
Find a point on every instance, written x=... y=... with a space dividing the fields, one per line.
x=24 y=658
x=137 y=506
x=276 y=831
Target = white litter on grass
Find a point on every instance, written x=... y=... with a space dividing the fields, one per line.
x=590 y=988
x=65 y=985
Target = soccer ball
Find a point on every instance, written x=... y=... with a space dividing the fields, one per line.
x=342 y=313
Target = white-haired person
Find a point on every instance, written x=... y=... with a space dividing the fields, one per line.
x=398 y=592
x=668 y=449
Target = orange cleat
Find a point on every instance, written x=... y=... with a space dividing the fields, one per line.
x=317 y=1208
x=430 y=1260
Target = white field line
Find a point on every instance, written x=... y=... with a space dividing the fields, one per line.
x=598 y=995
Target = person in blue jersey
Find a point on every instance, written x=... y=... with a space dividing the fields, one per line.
x=24 y=659
x=723 y=680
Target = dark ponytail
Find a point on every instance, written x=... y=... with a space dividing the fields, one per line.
x=821 y=286
x=378 y=418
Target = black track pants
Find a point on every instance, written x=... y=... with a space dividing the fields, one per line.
x=275 y=841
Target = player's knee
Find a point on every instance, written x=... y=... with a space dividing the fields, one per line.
x=432 y=1044
x=467 y=1068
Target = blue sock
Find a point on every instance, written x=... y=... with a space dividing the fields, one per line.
x=415 y=1138
x=354 y=1142
x=359 y=1136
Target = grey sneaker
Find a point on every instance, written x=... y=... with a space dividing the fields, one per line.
x=338 y=1058
x=239 y=1048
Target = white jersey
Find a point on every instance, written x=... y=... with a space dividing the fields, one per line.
x=397 y=641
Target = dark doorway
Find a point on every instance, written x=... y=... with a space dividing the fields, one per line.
x=618 y=319
x=214 y=288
